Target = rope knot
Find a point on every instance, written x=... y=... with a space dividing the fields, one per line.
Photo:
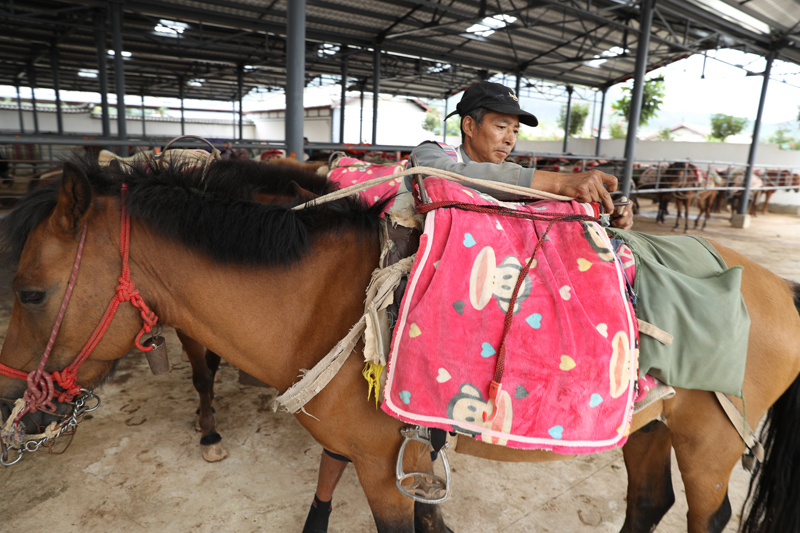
x=66 y=380
x=125 y=290
x=40 y=392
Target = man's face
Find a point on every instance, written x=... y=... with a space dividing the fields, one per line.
x=493 y=140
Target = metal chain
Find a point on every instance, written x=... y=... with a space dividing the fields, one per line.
x=70 y=423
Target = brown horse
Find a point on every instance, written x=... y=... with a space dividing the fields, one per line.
x=273 y=289
x=774 y=178
x=679 y=175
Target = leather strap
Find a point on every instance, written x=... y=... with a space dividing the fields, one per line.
x=740 y=423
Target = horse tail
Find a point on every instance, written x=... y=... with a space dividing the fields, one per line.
x=774 y=493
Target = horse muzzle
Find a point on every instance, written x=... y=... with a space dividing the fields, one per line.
x=38 y=431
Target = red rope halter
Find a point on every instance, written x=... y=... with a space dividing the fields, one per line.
x=41 y=391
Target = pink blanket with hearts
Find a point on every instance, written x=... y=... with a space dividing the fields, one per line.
x=571 y=357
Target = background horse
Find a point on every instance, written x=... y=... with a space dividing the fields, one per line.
x=773 y=178
x=683 y=174
x=272 y=289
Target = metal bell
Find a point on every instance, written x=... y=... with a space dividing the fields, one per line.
x=157 y=357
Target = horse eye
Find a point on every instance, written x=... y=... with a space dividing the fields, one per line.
x=31 y=297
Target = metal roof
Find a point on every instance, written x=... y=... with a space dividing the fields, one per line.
x=430 y=48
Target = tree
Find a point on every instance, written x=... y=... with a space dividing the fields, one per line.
x=577 y=118
x=784 y=141
x=618 y=131
x=433 y=123
x=723 y=126
x=652 y=98
x=665 y=134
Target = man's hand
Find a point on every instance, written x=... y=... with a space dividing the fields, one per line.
x=589 y=186
x=623 y=217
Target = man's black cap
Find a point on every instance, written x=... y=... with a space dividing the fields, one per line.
x=494 y=97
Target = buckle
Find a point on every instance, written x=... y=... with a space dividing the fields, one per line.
x=423 y=487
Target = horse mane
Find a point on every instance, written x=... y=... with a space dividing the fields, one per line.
x=211 y=210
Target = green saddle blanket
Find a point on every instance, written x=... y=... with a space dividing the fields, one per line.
x=684 y=287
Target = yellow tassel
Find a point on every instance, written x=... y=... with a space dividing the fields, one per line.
x=372 y=373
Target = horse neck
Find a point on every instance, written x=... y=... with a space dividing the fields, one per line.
x=269 y=322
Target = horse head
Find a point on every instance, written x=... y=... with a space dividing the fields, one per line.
x=57 y=236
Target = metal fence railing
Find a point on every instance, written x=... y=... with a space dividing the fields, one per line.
x=26 y=162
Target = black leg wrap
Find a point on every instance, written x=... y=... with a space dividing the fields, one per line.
x=317 y=519
x=720 y=519
x=211 y=438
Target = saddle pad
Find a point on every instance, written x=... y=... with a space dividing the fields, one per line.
x=351 y=171
x=570 y=362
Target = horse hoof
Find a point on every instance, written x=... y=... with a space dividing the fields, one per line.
x=213 y=453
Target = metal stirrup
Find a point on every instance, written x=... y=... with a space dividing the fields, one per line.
x=423 y=487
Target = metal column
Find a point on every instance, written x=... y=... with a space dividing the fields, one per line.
x=19 y=111
x=444 y=122
x=57 y=87
x=32 y=80
x=240 y=91
x=119 y=69
x=345 y=65
x=144 y=128
x=102 y=71
x=376 y=90
x=567 y=118
x=295 y=76
x=751 y=158
x=181 y=84
x=634 y=113
x=361 y=117
x=600 y=122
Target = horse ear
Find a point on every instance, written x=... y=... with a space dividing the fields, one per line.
x=303 y=194
x=74 y=198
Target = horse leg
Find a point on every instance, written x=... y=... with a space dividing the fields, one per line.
x=393 y=512
x=678 y=205
x=204 y=366
x=650 y=494
x=686 y=214
x=662 y=208
x=707 y=447
x=210 y=441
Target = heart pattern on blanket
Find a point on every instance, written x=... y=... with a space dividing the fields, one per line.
x=556 y=432
x=469 y=240
x=405 y=396
x=414 y=331
x=521 y=393
x=487 y=350
x=595 y=400
x=565 y=292
x=534 y=321
x=584 y=264
x=459 y=307
x=567 y=363
x=444 y=376
x=603 y=329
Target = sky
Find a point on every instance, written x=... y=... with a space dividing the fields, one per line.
x=697 y=88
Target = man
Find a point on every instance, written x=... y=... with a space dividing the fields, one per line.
x=490 y=118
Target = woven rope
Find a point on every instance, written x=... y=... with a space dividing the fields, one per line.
x=430 y=171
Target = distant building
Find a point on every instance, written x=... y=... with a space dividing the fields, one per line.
x=400 y=118
x=683 y=133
